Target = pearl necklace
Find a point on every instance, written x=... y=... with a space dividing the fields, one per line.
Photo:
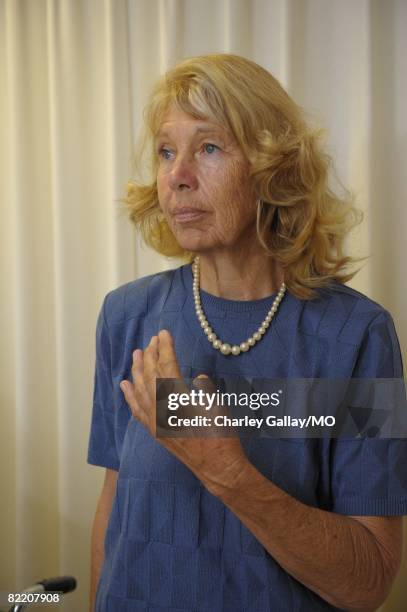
x=216 y=342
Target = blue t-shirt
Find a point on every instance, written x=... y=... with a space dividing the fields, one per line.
x=170 y=544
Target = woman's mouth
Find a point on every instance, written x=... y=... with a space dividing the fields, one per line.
x=184 y=215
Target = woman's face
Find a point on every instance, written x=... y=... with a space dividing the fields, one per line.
x=203 y=184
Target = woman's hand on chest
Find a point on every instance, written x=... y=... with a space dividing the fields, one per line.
x=213 y=459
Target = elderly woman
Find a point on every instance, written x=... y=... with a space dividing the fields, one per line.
x=239 y=189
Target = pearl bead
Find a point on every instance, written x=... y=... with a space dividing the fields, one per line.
x=225 y=349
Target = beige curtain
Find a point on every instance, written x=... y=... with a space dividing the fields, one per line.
x=74 y=76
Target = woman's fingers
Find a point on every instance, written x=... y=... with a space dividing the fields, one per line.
x=134 y=392
x=158 y=360
x=150 y=361
x=167 y=360
x=129 y=392
x=138 y=363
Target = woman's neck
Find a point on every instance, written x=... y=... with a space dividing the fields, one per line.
x=239 y=276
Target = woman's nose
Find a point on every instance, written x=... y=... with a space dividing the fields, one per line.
x=182 y=175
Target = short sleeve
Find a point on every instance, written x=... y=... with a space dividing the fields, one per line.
x=369 y=476
x=102 y=449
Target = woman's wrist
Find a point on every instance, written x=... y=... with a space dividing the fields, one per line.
x=232 y=481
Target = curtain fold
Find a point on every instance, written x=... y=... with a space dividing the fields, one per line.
x=75 y=76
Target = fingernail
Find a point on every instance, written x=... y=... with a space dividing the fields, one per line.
x=123 y=385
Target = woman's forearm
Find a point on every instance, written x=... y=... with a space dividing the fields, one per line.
x=97 y=552
x=100 y=522
x=333 y=555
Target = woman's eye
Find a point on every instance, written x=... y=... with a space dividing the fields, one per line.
x=164 y=153
x=210 y=148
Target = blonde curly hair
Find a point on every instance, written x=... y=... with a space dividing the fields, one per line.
x=301 y=222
